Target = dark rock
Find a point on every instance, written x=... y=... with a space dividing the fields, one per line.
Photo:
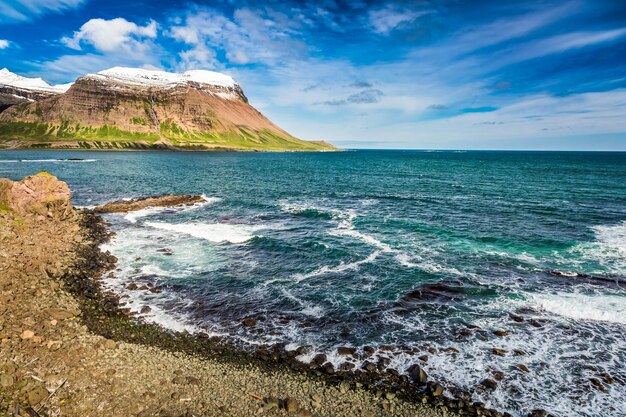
x=417 y=374
x=518 y=352
x=343 y=350
x=319 y=359
x=132 y=286
x=522 y=367
x=249 y=322
x=145 y=309
x=489 y=384
x=369 y=366
x=347 y=366
x=328 y=368
x=501 y=333
x=436 y=390
x=498 y=375
x=498 y=352
x=597 y=384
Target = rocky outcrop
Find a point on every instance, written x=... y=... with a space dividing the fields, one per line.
x=124 y=206
x=15 y=89
x=41 y=194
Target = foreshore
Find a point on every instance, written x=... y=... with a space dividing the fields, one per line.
x=67 y=348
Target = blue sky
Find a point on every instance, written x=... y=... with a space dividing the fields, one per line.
x=405 y=74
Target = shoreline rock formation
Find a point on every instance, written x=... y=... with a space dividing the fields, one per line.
x=124 y=206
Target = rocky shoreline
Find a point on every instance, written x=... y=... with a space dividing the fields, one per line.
x=68 y=349
x=104 y=355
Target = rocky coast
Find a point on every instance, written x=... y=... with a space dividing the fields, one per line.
x=68 y=348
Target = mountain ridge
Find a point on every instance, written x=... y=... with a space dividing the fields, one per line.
x=133 y=108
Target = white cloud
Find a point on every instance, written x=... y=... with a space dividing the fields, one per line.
x=27 y=9
x=248 y=37
x=112 y=35
x=4 y=43
x=387 y=19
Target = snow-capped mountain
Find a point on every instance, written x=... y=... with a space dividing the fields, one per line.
x=122 y=108
x=15 y=89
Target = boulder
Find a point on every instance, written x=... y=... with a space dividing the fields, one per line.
x=417 y=374
x=41 y=194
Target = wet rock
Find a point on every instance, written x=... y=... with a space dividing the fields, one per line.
x=537 y=413
x=347 y=366
x=522 y=367
x=132 y=287
x=498 y=352
x=417 y=374
x=436 y=390
x=607 y=378
x=597 y=384
x=501 y=333
x=516 y=318
x=125 y=206
x=498 y=375
x=328 y=368
x=145 y=309
x=489 y=384
x=249 y=322
x=318 y=359
x=518 y=352
x=343 y=350
x=369 y=366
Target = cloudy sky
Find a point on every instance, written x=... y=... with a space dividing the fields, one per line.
x=407 y=74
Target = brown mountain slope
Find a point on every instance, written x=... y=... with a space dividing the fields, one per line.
x=153 y=109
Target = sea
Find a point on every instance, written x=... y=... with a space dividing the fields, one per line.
x=443 y=255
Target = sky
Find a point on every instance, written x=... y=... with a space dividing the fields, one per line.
x=447 y=74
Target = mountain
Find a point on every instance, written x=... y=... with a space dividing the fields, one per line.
x=15 y=89
x=131 y=108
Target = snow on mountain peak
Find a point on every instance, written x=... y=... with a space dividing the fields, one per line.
x=140 y=76
x=10 y=79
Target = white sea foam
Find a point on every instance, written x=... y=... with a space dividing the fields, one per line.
x=213 y=232
x=342 y=267
x=579 y=306
x=609 y=248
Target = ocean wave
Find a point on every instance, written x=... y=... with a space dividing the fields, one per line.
x=609 y=248
x=579 y=306
x=342 y=267
x=213 y=232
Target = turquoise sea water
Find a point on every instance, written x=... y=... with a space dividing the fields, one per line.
x=375 y=248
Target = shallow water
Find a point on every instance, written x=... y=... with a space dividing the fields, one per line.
x=343 y=249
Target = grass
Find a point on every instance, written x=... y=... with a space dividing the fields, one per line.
x=41 y=135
